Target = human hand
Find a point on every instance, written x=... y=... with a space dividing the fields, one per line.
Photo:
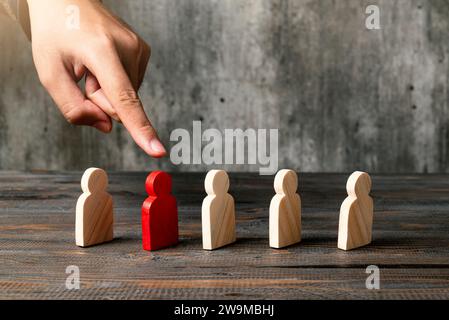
x=105 y=51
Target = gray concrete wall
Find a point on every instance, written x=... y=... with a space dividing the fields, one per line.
x=342 y=96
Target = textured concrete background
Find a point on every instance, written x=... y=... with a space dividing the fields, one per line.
x=343 y=97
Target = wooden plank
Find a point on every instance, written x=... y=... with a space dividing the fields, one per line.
x=410 y=242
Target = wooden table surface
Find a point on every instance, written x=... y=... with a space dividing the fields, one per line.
x=410 y=242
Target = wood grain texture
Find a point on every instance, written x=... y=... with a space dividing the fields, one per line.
x=94 y=210
x=410 y=242
x=217 y=211
x=285 y=211
x=356 y=213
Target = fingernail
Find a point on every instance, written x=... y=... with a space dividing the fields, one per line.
x=157 y=147
x=103 y=126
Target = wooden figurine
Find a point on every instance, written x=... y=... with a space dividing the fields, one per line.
x=356 y=213
x=94 y=214
x=285 y=210
x=159 y=213
x=218 y=213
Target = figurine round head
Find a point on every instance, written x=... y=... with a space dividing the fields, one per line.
x=359 y=184
x=216 y=182
x=158 y=183
x=94 y=179
x=286 y=182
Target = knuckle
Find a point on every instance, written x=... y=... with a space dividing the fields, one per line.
x=147 y=129
x=72 y=114
x=133 y=41
x=46 y=79
x=128 y=98
x=102 y=42
x=97 y=46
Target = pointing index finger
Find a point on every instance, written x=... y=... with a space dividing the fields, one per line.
x=119 y=90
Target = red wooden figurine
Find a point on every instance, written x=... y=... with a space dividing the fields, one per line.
x=159 y=213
